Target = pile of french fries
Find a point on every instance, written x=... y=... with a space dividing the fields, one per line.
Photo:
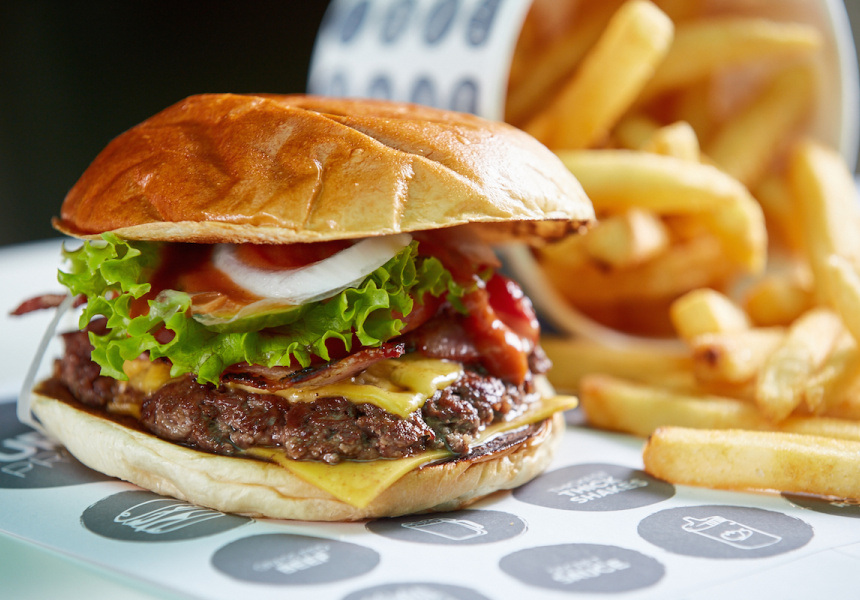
x=724 y=230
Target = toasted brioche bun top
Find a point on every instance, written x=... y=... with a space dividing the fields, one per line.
x=283 y=169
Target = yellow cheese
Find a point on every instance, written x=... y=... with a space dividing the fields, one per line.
x=358 y=483
x=399 y=385
x=145 y=375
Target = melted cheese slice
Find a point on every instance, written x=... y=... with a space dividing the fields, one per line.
x=358 y=483
x=399 y=385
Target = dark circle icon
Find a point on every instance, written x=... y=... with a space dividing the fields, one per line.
x=29 y=460
x=285 y=559
x=353 y=21
x=423 y=92
x=595 y=487
x=725 y=531
x=380 y=87
x=839 y=507
x=439 y=21
x=396 y=20
x=418 y=591
x=481 y=23
x=583 y=568
x=142 y=516
x=464 y=98
x=463 y=527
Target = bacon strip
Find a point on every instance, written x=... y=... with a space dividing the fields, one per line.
x=281 y=378
x=44 y=301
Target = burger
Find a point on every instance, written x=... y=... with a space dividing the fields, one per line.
x=290 y=307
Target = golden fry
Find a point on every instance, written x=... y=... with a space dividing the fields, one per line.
x=777 y=300
x=745 y=146
x=808 y=342
x=634 y=130
x=780 y=213
x=706 y=46
x=683 y=267
x=609 y=79
x=575 y=358
x=706 y=311
x=844 y=279
x=755 y=460
x=621 y=179
x=641 y=408
x=824 y=190
x=678 y=140
x=733 y=358
x=627 y=239
x=834 y=375
x=536 y=81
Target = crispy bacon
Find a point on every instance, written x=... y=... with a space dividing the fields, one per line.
x=281 y=378
x=44 y=301
x=444 y=337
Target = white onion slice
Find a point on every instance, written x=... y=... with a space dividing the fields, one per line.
x=314 y=282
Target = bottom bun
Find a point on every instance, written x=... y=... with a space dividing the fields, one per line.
x=257 y=488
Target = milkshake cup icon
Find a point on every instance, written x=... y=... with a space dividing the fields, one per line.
x=450 y=529
x=730 y=532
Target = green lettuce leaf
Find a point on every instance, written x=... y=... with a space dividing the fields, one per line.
x=114 y=272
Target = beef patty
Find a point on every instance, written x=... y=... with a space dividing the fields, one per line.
x=226 y=420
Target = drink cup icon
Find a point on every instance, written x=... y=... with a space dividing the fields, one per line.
x=730 y=532
x=450 y=529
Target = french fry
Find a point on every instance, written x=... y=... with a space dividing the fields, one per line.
x=694 y=105
x=834 y=375
x=678 y=140
x=669 y=185
x=680 y=10
x=706 y=311
x=845 y=281
x=844 y=403
x=824 y=190
x=733 y=358
x=809 y=340
x=608 y=80
x=634 y=130
x=777 y=299
x=784 y=226
x=641 y=408
x=754 y=460
x=745 y=146
x=703 y=47
x=532 y=84
x=578 y=357
x=683 y=267
x=627 y=239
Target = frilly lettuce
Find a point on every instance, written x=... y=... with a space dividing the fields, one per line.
x=114 y=272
